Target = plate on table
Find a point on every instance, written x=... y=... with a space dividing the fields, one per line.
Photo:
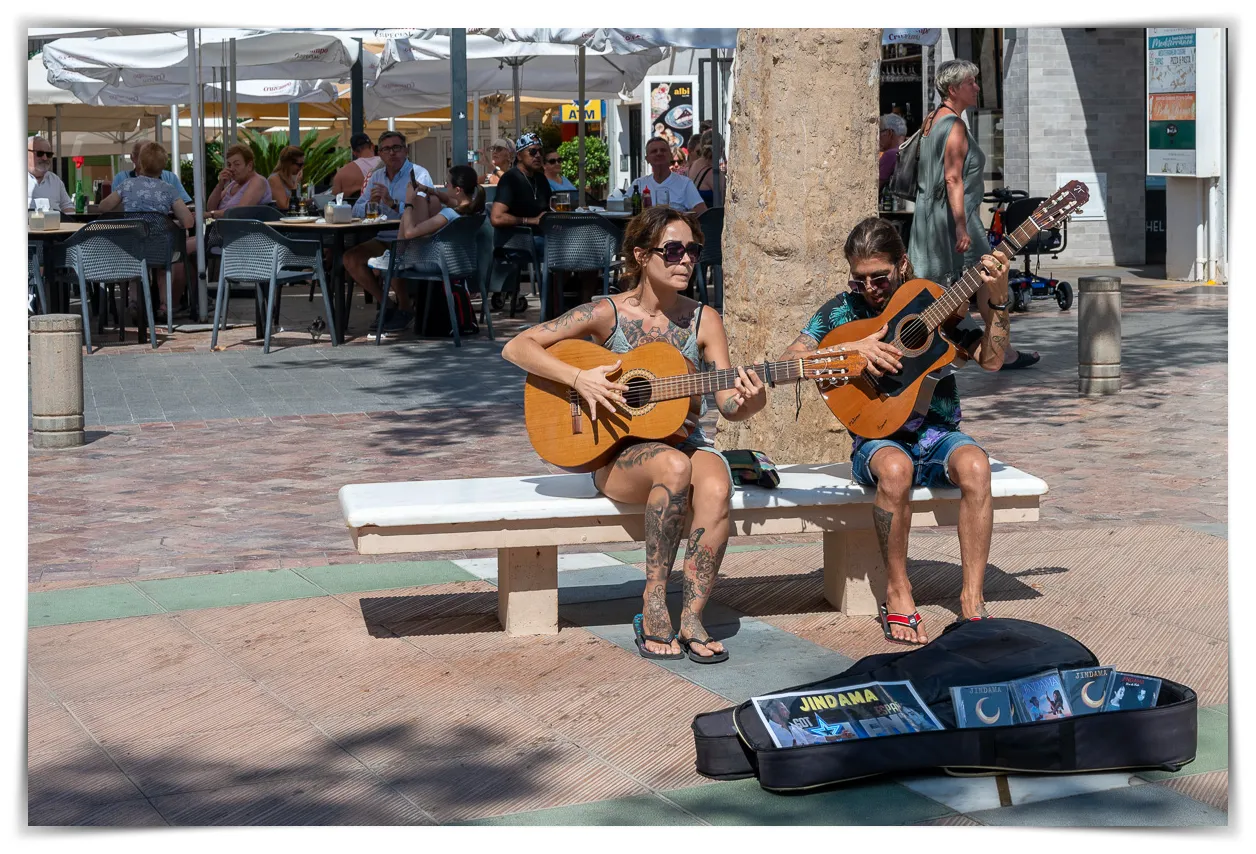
x=295 y=219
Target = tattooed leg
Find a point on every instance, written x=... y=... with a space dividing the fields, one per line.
x=891 y=517
x=658 y=476
x=707 y=542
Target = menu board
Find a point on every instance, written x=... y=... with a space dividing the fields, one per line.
x=671 y=104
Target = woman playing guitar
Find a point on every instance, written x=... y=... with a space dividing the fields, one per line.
x=661 y=246
x=929 y=450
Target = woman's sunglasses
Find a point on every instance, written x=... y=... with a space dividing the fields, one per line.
x=553 y=162
x=673 y=251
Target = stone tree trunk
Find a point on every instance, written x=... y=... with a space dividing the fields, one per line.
x=802 y=166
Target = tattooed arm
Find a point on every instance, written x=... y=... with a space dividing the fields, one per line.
x=802 y=345
x=527 y=350
x=749 y=395
x=988 y=352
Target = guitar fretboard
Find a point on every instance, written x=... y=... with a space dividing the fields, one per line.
x=959 y=293
x=708 y=382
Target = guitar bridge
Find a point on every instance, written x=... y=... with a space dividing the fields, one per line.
x=576 y=425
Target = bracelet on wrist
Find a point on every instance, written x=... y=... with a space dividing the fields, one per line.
x=997 y=306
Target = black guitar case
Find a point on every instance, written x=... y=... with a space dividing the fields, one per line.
x=733 y=743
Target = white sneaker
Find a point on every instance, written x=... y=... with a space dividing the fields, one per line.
x=380 y=263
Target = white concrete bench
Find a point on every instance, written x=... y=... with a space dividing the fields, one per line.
x=527 y=518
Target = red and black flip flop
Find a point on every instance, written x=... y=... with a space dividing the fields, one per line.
x=910 y=621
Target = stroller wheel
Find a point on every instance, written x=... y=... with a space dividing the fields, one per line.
x=1064 y=295
x=497 y=302
x=521 y=304
x=1024 y=295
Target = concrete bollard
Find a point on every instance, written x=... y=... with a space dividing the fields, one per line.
x=1098 y=335
x=56 y=354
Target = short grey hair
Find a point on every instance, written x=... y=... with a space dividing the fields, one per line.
x=894 y=122
x=953 y=72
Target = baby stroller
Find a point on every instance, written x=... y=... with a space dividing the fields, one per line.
x=1025 y=285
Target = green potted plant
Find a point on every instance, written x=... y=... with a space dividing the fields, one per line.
x=597 y=163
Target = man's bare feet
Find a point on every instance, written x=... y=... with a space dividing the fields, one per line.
x=972 y=606
x=902 y=603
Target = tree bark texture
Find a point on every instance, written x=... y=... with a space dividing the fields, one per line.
x=802 y=166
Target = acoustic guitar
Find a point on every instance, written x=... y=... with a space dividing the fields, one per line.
x=876 y=407
x=660 y=383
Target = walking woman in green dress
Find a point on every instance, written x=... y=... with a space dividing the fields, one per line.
x=947 y=235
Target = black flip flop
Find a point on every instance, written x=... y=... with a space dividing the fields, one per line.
x=638 y=626
x=911 y=621
x=687 y=645
x=1023 y=360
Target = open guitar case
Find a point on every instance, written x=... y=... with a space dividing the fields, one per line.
x=733 y=743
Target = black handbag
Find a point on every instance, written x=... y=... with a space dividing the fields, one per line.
x=733 y=743
x=902 y=184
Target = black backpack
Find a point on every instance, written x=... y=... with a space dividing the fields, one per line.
x=438 y=317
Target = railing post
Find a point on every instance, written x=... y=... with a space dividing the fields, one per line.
x=1098 y=335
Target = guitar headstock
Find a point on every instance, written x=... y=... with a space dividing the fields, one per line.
x=1065 y=202
x=833 y=366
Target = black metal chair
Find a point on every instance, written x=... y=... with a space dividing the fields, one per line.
x=449 y=256
x=254 y=252
x=108 y=252
x=514 y=247
x=577 y=241
x=163 y=249
x=35 y=278
x=711 y=221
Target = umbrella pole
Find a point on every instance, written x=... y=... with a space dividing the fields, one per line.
x=232 y=93
x=198 y=179
x=294 y=124
x=458 y=94
x=61 y=170
x=580 y=114
x=475 y=124
x=174 y=142
x=717 y=138
x=514 y=68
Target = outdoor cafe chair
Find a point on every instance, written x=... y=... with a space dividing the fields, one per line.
x=518 y=248
x=577 y=241
x=711 y=221
x=35 y=278
x=163 y=248
x=449 y=256
x=108 y=252
x=254 y=252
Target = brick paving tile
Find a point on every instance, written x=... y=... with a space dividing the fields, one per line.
x=1212 y=788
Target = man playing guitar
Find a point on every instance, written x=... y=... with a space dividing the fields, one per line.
x=929 y=450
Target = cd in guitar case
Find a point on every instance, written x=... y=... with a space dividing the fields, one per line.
x=734 y=743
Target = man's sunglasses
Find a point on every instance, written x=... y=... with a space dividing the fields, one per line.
x=880 y=282
x=532 y=152
x=389 y=149
x=38 y=154
x=673 y=251
x=299 y=163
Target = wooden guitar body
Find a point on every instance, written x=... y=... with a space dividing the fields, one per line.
x=875 y=408
x=558 y=420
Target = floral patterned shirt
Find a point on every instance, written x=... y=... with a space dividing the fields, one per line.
x=147 y=194
x=944 y=414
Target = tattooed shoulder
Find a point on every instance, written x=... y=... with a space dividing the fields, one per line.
x=581 y=314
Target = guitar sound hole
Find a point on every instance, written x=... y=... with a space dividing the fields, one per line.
x=914 y=334
x=638 y=394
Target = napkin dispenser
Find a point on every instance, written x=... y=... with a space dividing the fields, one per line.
x=48 y=220
x=334 y=213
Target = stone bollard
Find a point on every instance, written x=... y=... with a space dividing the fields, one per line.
x=56 y=354
x=1098 y=335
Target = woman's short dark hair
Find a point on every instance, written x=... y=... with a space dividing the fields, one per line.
x=876 y=236
x=644 y=231
x=466 y=179
x=288 y=158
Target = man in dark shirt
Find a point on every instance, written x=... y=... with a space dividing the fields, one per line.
x=523 y=193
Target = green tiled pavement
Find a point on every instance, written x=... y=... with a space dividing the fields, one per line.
x=744 y=802
x=1212 y=752
x=229 y=588
x=639 y=810
x=366 y=577
x=84 y=604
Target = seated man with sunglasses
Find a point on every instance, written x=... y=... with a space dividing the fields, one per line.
x=41 y=181
x=929 y=450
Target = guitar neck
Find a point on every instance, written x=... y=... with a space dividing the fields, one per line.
x=709 y=382
x=958 y=294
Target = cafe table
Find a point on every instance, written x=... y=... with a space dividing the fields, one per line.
x=362 y=230
x=59 y=295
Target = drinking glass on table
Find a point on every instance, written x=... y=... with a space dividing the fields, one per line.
x=372 y=210
x=663 y=197
x=561 y=202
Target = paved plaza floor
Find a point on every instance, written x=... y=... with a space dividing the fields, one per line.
x=206 y=647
